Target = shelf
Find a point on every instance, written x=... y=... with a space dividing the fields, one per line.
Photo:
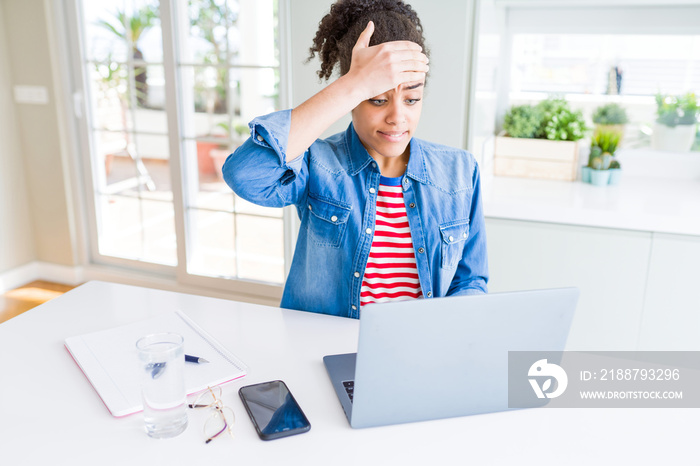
x=660 y=205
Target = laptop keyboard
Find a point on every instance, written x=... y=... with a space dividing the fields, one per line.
x=349 y=388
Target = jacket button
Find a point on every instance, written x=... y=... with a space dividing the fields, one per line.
x=421 y=250
x=260 y=138
x=451 y=238
x=334 y=219
x=429 y=294
x=354 y=308
x=310 y=207
x=357 y=274
x=412 y=205
x=368 y=231
x=372 y=190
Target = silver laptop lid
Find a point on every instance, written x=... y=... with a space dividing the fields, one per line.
x=438 y=358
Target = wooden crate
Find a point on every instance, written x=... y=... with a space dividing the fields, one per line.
x=536 y=158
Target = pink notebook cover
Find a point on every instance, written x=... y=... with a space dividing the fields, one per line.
x=110 y=362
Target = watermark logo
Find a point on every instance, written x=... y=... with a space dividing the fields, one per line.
x=604 y=379
x=541 y=369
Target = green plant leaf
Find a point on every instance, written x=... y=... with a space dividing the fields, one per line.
x=610 y=114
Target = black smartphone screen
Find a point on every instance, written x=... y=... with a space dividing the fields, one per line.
x=273 y=410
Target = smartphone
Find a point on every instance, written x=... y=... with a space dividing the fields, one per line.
x=274 y=411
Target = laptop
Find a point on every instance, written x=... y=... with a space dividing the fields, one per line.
x=447 y=357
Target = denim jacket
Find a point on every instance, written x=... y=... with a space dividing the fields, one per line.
x=334 y=187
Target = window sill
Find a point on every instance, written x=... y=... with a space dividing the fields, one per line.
x=640 y=203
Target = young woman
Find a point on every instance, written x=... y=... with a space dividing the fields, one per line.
x=384 y=215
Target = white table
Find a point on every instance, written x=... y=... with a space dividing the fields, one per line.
x=49 y=413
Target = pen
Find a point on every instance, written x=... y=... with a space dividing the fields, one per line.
x=156 y=369
x=195 y=359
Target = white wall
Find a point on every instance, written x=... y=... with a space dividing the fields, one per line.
x=16 y=232
x=35 y=128
x=446 y=33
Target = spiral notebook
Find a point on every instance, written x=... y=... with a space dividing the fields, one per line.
x=110 y=361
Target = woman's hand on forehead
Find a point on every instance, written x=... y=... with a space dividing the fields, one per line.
x=386 y=66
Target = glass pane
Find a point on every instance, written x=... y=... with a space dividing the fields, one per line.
x=253 y=38
x=104 y=32
x=213 y=193
x=260 y=248
x=205 y=96
x=112 y=25
x=128 y=175
x=159 y=244
x=209 y=21
x=116 y=219
x=211 y=237
x=137 y=229
x=150 y=110
x=215 y=196
x=110 y=97
x=237 y=32
x=586 y=63
x=204 y=161
x=131 y=98
x=109 y=157
x=202 y=169
x=254 y=92
x=145 y=31
x=151 y=146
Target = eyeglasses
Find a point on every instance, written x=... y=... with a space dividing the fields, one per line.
x=221 y=418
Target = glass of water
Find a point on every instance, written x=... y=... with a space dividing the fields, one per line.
x=163 y=384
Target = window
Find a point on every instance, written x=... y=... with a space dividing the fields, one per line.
x=127 y=128
x=591 y=54
x=228 y=71
x=594 y=69
x=169 y=88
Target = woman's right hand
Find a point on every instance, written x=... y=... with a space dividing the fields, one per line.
x=377 y=69
x=373 y=71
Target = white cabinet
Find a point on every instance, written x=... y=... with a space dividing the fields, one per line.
x=609 y=267
x=671 y=319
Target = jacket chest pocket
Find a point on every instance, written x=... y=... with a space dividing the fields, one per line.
x=453 y=235
x=327 y=221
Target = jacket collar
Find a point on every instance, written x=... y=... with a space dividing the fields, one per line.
x=359 y=158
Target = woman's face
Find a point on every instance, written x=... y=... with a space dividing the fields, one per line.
x=386 y=123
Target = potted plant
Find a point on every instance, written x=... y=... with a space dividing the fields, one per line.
x=610 y=117
x=677 y=116
x=615 y=172
x=601 y=163
x=600 y=176
x=586 y=169
x=559 y=122
x=540 y=141
x=523 y=121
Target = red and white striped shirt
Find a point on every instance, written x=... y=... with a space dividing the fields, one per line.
x=391 y=273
